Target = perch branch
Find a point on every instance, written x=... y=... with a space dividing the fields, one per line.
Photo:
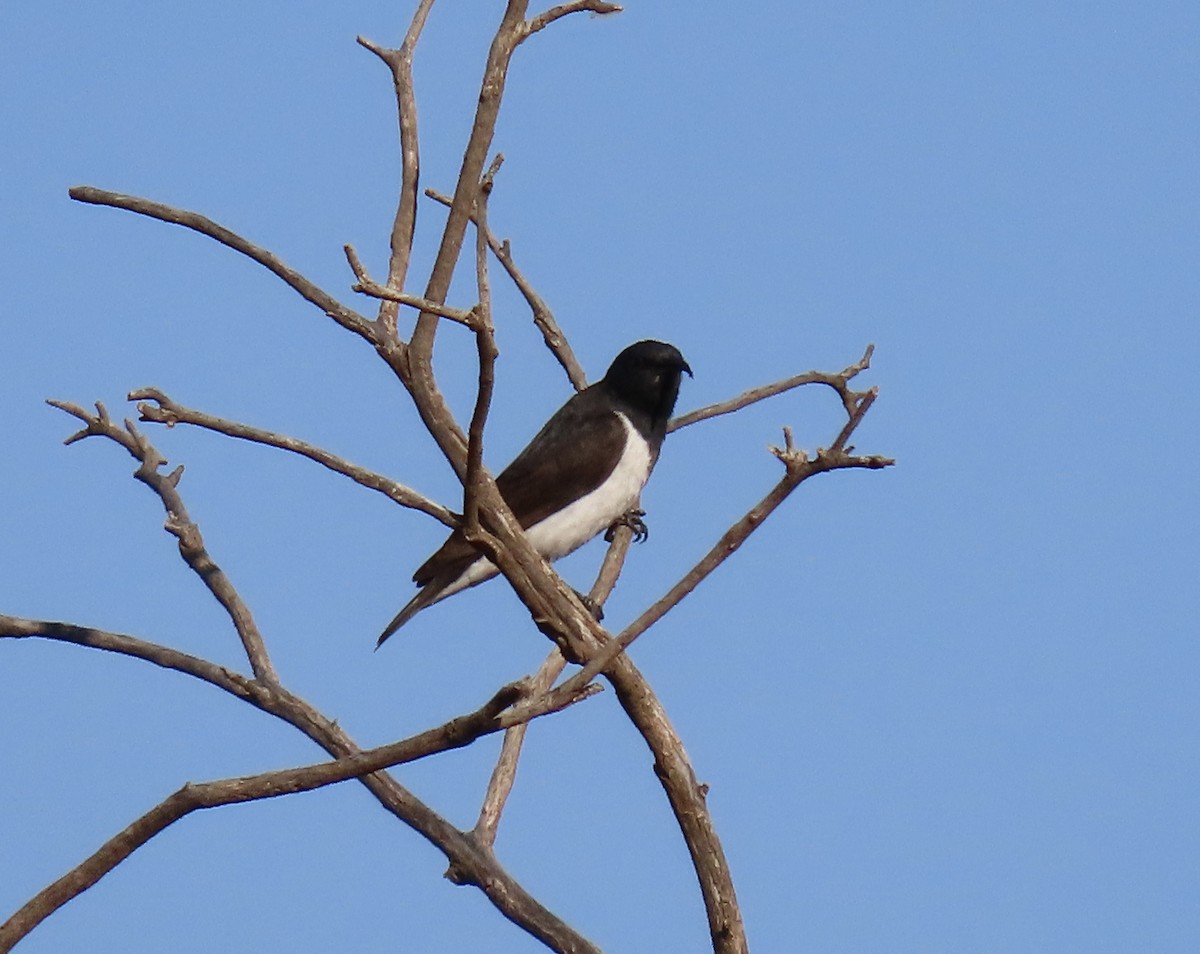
x=346 y=317
x=168 y=412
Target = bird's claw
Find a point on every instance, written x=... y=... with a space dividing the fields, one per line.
x=596 y=609
x=633 y=520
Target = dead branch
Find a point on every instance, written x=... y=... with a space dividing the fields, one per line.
x=404 y=225
x=555 y=608
x=179 y=525
x=761 y=393
x=543 y=20
x=471 y=864
x=166 y=411
x=348 y=318
x=505 y=772
x=485 y=340
x=249 y=690
x=456 y=733
x=543 y=317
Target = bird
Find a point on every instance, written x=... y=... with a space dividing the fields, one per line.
x=581 y=473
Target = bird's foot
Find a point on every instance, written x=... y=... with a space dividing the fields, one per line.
x=592 y=606
x=633 y=520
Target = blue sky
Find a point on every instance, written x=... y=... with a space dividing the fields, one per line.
x=951 y=706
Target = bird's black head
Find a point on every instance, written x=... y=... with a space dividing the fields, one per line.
x=646 y=376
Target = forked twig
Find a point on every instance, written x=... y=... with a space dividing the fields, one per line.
x=179 y=525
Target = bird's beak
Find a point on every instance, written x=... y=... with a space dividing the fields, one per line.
x=684 y=367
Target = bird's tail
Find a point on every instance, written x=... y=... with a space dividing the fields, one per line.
x=425 y=597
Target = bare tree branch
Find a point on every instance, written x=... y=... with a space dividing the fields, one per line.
x=249 y=690
x=366 y=286
x=485 y=339
x=179 y=525
x=543 y=317
x=505 y=773
x=455 y=733
x=799 y=468
x=610 y=568
x=400 y=63
x=471 y=863
x=170 y=413
x=508 y=36
x=761 y=393
x=543 y=20
x=346 y=317
x=490 y=524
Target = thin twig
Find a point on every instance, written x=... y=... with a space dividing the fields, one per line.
x=610 y=568
x=543 y=20
x=400 y=62
x=180 y=525
x=485 y=340
x=508 y=36
x=234 y=683
x=761 y=393
x=543 y=316
x=168 y=412
x=365 y=285
x=348 y=318
x=505 y=772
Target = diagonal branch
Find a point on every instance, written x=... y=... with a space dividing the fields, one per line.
x=508 y=36
x=168 y=412
x=471 y=862
x=543 y=317
x=799 y=467
x=505 y=772
x=179 y=525
x=456 y=733
x=348 y=318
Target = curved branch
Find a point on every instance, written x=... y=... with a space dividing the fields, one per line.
x=836 y=381
x=168 y=412
x=348 y=318
x=543 y=20
x=15 y=627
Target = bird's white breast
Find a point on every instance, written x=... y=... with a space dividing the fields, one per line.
x=568 y=529
x=573 y=526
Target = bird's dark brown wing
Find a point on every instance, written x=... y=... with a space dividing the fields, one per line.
x=567 y=459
